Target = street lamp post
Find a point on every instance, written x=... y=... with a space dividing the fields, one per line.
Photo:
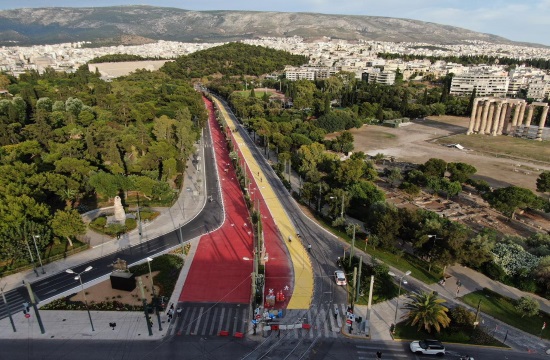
x=342 y=210
x=431 y=251
x=155 y=303
x=79 y=277
x=32 y=258
x=408 y=272
x=34 y=237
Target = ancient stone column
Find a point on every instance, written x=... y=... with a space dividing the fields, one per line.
x=472 y=117
x=484 y=117
x=520 y=117
x=490 y=118
x=542 y=122
x=517 y=108
x=528 y=121
x=496 y=119
x=478 y=116
x=503 y=119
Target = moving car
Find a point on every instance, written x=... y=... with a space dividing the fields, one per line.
x=428 y=347
x=340 y=277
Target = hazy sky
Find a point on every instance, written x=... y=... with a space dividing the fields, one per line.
x=520 y=20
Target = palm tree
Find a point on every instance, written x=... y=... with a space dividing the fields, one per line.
x=425 y=311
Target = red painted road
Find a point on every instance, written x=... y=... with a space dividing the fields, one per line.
x=218 y=272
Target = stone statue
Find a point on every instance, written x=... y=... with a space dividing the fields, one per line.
x=120 y=215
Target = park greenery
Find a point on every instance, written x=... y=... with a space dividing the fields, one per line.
x=522 y=313
x=334 y=185
x=71 y=142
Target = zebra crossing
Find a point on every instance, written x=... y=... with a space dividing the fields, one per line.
x=210 y=319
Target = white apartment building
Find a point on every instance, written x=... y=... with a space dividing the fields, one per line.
x=294 y=74
x=538 y=90
x=379 y=77
x=486 y=83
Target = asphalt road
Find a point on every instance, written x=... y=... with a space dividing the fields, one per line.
x=214 y=349
x=209 y=219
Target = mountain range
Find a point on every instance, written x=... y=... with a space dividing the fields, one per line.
x=140 y=24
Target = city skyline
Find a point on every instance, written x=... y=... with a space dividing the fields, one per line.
x=525 y=21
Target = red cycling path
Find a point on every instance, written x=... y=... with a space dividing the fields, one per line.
x=218 y=272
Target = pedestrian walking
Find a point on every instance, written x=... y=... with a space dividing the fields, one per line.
x=379 y=354
x=178 y=311
x=336 y=314
x=172 y=307
x=309 y=247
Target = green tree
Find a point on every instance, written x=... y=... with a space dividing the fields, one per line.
x=425 y=311
x=395 y=176
x=507 y=200
x=527 y=306
x=67 y=224
x=543 y=182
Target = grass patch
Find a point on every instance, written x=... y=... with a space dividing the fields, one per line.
x=402 y=261
x=168 y=267
x=449 y=335
x=503 y=309
x=503 y=146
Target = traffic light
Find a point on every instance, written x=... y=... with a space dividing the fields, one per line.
x=26 y=307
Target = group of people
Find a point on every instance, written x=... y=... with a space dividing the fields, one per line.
x=170 y=312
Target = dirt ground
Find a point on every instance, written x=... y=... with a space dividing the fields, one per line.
x=104 y=292
x=418 y=141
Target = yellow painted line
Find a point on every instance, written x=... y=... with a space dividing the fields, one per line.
x=301 y=264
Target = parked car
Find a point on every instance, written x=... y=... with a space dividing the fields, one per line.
x=428 y=347
x=340 y=277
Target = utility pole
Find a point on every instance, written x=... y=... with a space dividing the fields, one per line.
x=32 y=258
x=181 y=242
x=7 y=308
x=370 y=302
x=139 y=220
x=477 y=313
x=354 y=286
x=33 y=303
x=359 y=280
x=38 y=252
x=352 y=245
x=140 y=283
x=319 y=200
x=342 y=212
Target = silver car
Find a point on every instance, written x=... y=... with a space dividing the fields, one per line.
x=340 y=277
x=428 y=347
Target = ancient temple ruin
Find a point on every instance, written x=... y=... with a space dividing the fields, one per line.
x=498 y=116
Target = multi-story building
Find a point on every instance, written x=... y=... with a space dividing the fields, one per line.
x=486 y=83
x=294 y=74
x=538 y=90
x=379 y=77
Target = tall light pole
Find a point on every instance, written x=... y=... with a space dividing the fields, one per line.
x=32 y=258
x=155 y=302
x=431 y=251
x=79 y=278
x=408 y=272
x=342 y=210
x=34 y=237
